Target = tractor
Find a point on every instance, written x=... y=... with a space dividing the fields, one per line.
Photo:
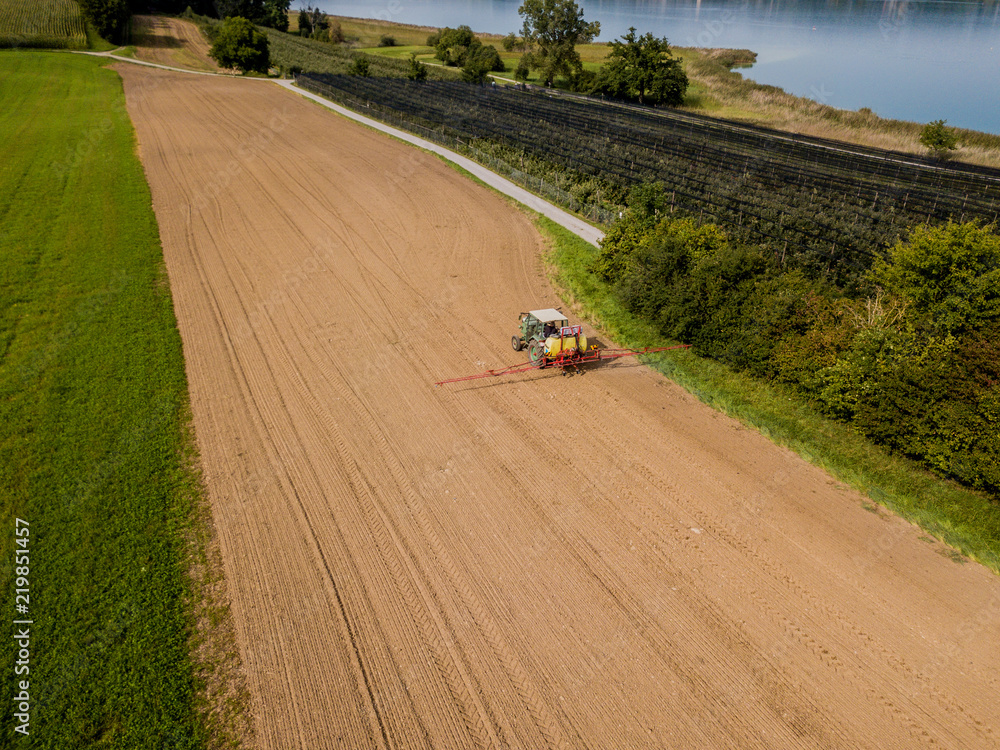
x=549 y=338
x=552 y=342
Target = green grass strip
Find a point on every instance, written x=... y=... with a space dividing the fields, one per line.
x=93 y=405
x=966 y=520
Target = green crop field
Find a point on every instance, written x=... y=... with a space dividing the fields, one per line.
x=93 y=449
x=42 y=23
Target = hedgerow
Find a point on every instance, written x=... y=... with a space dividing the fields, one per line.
x=912 y=360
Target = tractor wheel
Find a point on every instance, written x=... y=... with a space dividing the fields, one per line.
x=515 y=343
x=536 y=353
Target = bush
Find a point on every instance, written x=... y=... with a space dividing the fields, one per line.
x=938 y=401
x=386 y=41
x=700 y=288
x=359 y=67
x=240 y=45
x=275 y=14
x=473 y=73
x=623 y=238
x=110 y=18
x=210 y=28
x=485 y=58
x=939 y=140
x=948 y=276
x=327 y=31
x=512 y=43
x=915 y=366
x=418 y=71
x=584 y=81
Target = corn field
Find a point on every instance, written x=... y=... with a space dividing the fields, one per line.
x=42 y=23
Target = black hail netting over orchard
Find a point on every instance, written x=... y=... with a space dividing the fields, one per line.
x=821 y=205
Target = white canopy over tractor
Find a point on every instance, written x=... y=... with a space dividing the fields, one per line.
x=548 y=316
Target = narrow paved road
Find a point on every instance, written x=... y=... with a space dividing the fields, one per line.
x=578 y=226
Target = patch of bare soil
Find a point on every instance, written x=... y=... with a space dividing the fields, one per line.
x=595 y=561
x=171 y=41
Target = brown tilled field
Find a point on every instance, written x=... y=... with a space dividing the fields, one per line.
x=595 y=561
x=171 y=41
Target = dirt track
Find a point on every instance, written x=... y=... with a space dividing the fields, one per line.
x=595 y=561
x=171 y=41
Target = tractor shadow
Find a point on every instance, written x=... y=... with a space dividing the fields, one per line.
x=149 y=37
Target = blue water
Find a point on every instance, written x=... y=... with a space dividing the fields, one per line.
x=909 y=60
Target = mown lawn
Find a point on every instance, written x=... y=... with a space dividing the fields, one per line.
x=93 y=404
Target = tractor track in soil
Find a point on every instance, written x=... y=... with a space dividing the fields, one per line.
x=594 y=561
x=172 y=42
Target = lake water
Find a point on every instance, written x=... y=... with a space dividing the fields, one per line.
x=909 y=60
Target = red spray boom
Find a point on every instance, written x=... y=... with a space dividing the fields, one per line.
x=566 y=359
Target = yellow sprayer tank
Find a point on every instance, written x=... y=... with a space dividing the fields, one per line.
x=554 y=345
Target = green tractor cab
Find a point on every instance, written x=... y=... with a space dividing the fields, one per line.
x=549 y=337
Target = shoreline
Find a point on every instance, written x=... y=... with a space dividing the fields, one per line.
x=719 y=89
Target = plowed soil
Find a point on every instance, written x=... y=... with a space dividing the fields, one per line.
x=591 y=561
x=171 y=41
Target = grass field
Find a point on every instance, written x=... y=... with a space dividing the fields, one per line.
x=288 y=50
x=42 y=23
x=94 y=453
x=967 y=520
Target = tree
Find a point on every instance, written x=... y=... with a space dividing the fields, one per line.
x=314 y=24
x=479 y=62
x=275 y=14
x=108 y=17
x=418 y=71
x=642 y=68
x=552 y=29
x=252 y=10
x=305 y=24
x=938 y=139
x=452 y=46
x=460 y=47
x=240 y=45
